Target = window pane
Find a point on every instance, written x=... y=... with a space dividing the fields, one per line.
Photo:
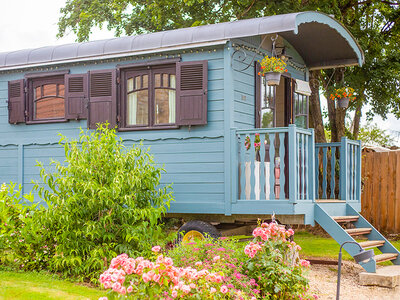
x=49 y=90
x=165 y=80
x=172 y=81
x=305 y=105
x=301 y=121
x=296 y=103
x=49 y=108
x=61 y=90
x=267 y=118
x=129 y=84
x=137 y=83
x=138 y=108
x=145 y=79
x=157 y=80
x=164 y=106
x=38 y=92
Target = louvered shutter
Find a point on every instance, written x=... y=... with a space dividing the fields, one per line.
x=191 y=93
x=16 y=101
x=258 y=87
x=102 y=98
x=76 y=96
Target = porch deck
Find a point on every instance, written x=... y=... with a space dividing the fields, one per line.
x=283 y=171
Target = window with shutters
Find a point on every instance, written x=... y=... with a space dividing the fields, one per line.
x=149 y=97
x=48 y=97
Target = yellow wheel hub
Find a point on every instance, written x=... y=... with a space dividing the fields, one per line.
x=191 y=236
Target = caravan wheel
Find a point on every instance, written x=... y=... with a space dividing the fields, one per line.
x=195 y=230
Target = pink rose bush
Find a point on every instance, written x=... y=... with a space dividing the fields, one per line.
x=160 y=279
x=252 y=249
x=266 y=268
x=274 y=262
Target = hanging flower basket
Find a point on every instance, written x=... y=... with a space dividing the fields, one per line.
x=273 y=78
x=272 y=68
x=343 y=96
x=343 y=102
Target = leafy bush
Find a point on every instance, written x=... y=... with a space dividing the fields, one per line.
x=24 y=243
x=266 y=268
x=11 y=211
x=102 y=201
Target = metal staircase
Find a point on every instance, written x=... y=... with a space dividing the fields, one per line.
x=333 y=226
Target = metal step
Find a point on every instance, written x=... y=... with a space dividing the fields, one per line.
x=372 y=244
x=358 y=231
x=385 y=257
x=343 y=219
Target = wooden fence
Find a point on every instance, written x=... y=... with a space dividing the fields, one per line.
x=380 y=196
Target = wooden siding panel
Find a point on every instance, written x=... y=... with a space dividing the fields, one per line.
x=194 y=160
x=48 y=132
x=8 y=164
x=244 y=81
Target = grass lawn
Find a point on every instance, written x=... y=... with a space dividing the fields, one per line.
x=26 y=285
x=317 y=246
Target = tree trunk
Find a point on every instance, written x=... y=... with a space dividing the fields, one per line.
x=357 y=118
x=332 y=119
x=315 y=108
x=340 y=123
x=336 y=115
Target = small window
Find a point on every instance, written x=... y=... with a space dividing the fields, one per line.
x=300 y=110
x=46 y=99
x=149 y=97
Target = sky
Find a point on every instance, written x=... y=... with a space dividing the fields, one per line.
x=33 y=23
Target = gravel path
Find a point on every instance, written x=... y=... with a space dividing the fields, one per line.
x=323 y=283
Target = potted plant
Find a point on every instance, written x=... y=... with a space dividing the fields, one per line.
x=343 y=96
x=272 y=68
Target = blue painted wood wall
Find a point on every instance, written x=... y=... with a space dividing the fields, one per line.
x=196 y=160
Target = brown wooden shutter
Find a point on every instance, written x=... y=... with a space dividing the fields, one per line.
x=258 y=83
x=76 y=96
x=102 y=98
x=16 y=101
x=191 y=93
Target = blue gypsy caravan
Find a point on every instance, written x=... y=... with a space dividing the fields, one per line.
x=193 y=95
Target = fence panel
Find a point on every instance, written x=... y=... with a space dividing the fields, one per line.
x=381 y=190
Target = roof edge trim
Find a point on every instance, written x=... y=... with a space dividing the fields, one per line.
x=114 y=55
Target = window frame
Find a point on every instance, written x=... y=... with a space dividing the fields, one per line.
x=45 y=77
x=265 y=89
x=298 y=109
x=150 y=68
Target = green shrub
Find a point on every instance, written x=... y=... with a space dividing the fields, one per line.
x=102 y=201
x=24 y=243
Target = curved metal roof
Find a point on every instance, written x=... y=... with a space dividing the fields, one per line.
x=321 y=40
